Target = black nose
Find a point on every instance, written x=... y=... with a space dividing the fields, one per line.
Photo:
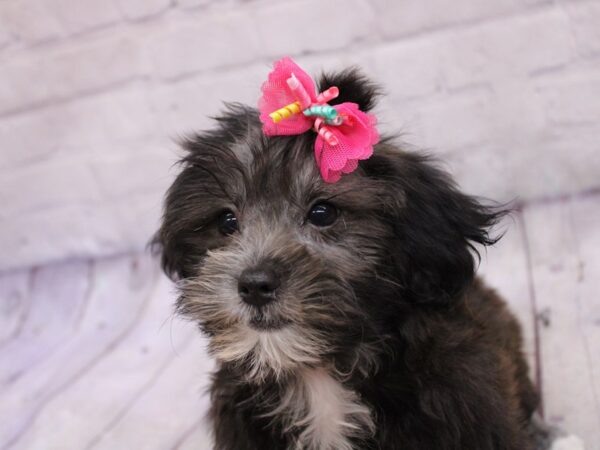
x=257 y=286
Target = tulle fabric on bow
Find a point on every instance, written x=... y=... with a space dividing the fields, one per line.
x=290 y=105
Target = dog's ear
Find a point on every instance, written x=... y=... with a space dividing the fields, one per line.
x=436 y=227
x=172 y=258
x=174 y=241
x=354 y=87
x=169 y=242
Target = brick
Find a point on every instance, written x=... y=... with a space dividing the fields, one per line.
x=585 y=25
x=99 y=121
x=29 y=21
x=191 y=3
x=82 y=15
x=401 y=17
x=551 y=164
x=457 y=122
x=496 y=172
x=15 y=87
x=570 y=150
x=408 y=69
x=187 y=105
x=293 y=28
x=572 y=99
x=120 y=116
x=209 y=41
x=317 y=63
x=139 y=218
x=127 y=173
x=68 y=72
x=20 y=138
x=45 y=185
x=510 y=144
x=138 y=9
x=504 y=49
x=404 y=117
x=501 y=144
x=571 y=161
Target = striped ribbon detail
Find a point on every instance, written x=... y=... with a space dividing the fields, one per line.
x=299 y=92
x=325 y=132
x=326 y=111
x=285 y=112
x=328 y=95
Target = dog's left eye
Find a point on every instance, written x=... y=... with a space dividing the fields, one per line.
x=322 y=214
x=227 y=222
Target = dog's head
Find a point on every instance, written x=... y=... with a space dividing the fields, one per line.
x=281 y=269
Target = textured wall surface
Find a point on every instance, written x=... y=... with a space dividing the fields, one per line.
x=93 y=93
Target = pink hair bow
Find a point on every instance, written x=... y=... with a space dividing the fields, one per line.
x=290 y=105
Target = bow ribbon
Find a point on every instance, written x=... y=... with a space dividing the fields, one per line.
x=290 y=105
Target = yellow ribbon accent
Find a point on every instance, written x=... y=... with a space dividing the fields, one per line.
x=285 y=112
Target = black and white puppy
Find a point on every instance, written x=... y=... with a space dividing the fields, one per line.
x=343 y=316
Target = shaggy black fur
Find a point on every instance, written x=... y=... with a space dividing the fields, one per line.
x=389 y=289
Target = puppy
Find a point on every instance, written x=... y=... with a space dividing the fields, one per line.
x=343 y=315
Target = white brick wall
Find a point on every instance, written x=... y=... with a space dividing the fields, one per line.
x=92 y=93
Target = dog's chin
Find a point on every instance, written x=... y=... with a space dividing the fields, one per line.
x=260 y=321
x=264 y=345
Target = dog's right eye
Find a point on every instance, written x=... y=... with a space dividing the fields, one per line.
x=322 y=214
x=227 y=223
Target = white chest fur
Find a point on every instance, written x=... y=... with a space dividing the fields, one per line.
x=328 y=412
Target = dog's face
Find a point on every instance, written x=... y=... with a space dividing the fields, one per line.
x=282 y=270
x=273 y=253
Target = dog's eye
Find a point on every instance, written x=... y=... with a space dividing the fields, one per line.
x=227 y=222
x=322 y=214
